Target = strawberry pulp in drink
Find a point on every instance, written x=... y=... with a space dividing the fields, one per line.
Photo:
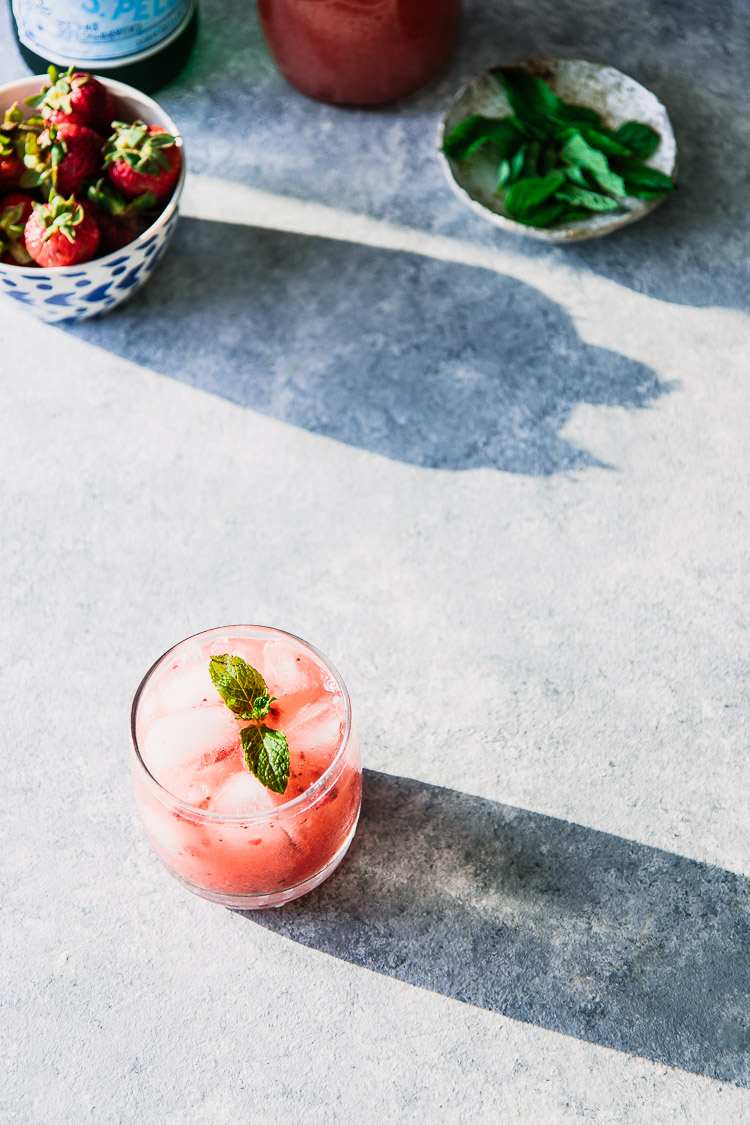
x=359 y=52
x=217 y=828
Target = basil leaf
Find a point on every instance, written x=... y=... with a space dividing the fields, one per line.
x=641 y=139
x=238 y=684
x=524 y=195
x=267 y=756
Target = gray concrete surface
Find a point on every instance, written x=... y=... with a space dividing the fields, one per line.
x=505 y=488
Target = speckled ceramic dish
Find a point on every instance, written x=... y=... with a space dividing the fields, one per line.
x=613 y=94
x=95 y=287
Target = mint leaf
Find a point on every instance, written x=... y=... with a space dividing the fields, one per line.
x=575 y=215
x=548 y=161
x=244 y=691
x=577 y=150
x=545 y=215
x=531 y=99
x=503 y=176
x=531 y=160
x=517 y=163
x=643 y=182
x=476 y=131
x=641 y=139
x=590 y=200
x=605 y=141
x=267 y=756
x=238 y=684
x=576 y=114
x=576 y=175
x=262 y=705
x=524 y=195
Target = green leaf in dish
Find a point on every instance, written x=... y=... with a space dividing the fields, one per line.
x=641 y=139
x=527 y=194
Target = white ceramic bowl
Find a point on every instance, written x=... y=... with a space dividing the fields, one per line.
x=616 y=96
x=78 y=292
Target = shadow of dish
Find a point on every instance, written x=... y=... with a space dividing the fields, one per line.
x=544 y=921
x=430 y=363
x=695 y=56
x=381 y=162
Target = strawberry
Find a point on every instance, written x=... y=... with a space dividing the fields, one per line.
x=75 y=97
x=58 y=117
x=14 y=213
x=61 y=232
x=64 y=155
x=11 y=165
x=120 y=220
x=13 y=127
x=117 y=233
x=142 y=158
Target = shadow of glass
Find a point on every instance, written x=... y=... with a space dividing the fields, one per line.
x=433 y=364
x=544 y=921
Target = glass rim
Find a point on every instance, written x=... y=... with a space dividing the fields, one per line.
x=316 y=789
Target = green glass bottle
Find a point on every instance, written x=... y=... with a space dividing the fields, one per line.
x=142 y=42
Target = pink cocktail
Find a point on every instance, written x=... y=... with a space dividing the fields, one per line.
x=217 y=828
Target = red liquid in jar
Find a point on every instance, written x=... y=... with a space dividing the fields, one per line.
x=359 y=52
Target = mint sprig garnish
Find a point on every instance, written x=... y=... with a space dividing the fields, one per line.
x=245 y=693
x=238 y=684
x=267 y=755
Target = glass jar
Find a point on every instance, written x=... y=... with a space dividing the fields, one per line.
x=359 y=52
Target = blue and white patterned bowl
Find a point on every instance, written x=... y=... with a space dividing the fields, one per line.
x=93 y=288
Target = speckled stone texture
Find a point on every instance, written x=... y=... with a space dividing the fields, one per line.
x=505 y=488
x=542 y=920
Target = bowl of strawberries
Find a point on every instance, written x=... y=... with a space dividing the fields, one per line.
x=91 y=172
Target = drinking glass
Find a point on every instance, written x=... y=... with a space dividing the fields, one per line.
x=186 y=760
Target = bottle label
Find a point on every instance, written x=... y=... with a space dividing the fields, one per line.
x=99 y=31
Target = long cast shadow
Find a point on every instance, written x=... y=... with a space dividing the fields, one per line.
x=571 y=929
x=426 y=362
x=695 y=55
